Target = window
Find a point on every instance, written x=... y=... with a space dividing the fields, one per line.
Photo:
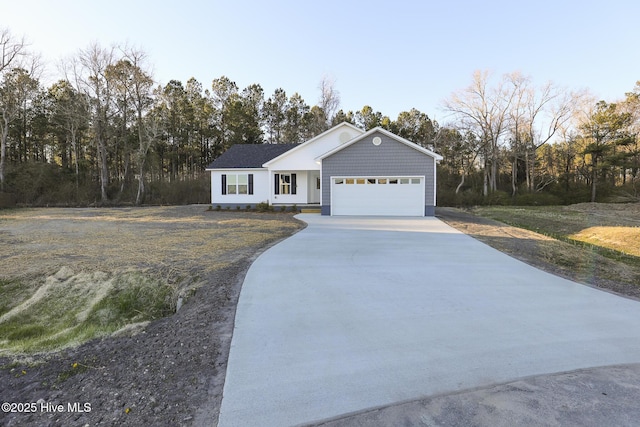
x=241 y=183
x=379 y=181
x=232 y=184
x=285 y=183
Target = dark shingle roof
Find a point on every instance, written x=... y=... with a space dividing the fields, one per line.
x=249 y=155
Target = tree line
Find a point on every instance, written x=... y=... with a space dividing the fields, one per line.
x=107 y=133
x=521 y=138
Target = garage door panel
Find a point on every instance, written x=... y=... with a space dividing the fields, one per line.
x=406 y=199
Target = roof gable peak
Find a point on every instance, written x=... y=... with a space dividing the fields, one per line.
x=387 y=133
x=345 y=135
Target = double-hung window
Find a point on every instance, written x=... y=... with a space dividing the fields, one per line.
x=237 y=183
x=232 y=184
x=285 y=183
x=243 y=184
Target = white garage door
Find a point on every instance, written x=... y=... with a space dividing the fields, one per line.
x=393 y=196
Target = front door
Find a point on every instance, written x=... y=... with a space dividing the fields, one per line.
x=314 y=187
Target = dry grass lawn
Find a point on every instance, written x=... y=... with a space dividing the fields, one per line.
x=612 y=226
x=41 y=241
x=71 y=274
x=623 y=239
x=595 y=243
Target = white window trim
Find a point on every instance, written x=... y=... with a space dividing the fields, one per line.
x=236 y=185
x=282 y=184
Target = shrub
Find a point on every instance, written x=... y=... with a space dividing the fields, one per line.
x=463 y=199
x=179 y=192
x=7 y=200
x=579 y=194
x=263 y=207
x=498 y=198
x=44 y=184
x=537 y=199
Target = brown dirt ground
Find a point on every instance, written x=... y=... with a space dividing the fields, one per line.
x=172 y=374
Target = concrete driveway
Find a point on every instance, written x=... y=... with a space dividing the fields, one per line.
x=357 y=313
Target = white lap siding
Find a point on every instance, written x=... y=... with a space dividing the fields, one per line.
x=301 y=188
x=260 y=187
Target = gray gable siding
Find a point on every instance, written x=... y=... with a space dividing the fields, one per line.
x=387 y=159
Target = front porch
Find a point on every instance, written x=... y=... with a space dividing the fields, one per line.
x=294 y=187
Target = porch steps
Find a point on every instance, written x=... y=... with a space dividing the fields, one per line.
x=310 y=210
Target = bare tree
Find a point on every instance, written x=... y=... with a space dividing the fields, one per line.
x=550 y=109
x=484 y=111
x=87 y=72
x=15 y=71
x=12 y=50
x=459 y=148
x=519 y=124
x=329 y=97
x=514 y=113
x=152 y=128
x=140 y=88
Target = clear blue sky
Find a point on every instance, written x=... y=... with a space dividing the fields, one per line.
x=390 y=55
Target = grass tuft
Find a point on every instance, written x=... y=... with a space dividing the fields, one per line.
x=67 y=312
